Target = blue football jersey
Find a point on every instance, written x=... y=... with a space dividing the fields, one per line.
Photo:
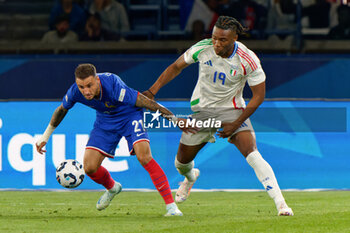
x=114 y=106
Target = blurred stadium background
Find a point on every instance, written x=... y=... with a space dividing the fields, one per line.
x=302 y=128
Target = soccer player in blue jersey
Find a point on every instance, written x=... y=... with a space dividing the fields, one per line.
x=118 y=113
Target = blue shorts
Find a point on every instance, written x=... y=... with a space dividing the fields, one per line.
x=106 y=141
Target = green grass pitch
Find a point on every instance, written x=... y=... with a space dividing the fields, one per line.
x=26 y=211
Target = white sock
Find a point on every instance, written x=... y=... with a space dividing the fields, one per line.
x=185 y=169
x=266 y=176
x=171 y=205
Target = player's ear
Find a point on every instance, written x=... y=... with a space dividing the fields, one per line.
x=235 y=37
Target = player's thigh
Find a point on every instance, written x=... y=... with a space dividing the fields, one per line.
x=92 y=160
x=186 y=153
x=103 y=141
x=244 y=141
x=143 y=152
x=191 y=144
x=134 y=132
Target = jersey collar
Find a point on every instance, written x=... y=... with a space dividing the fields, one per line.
x=234 y=50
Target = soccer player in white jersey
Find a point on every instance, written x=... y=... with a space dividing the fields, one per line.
x=225 y=65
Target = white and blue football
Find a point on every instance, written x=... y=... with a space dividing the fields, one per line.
x=70 y=173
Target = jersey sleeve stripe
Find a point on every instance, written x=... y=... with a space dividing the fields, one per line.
x=204 y=42
x=255 y=66
x=248 y=58
x=195 y=55
x=245 y=58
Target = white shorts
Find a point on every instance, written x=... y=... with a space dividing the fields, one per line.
x=208 y=134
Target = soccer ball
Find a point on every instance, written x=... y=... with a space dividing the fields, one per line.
x=70 y=173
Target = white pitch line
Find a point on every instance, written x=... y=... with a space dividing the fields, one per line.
x=173 y=190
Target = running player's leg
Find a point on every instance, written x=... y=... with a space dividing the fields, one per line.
x=160 y=181
x=93 y=168
x=246 y=144
x=184 y=159
x=190 y=145
x=101 y=144
x=99 y=174
x=185 y=166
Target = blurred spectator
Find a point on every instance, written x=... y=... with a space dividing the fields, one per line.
x=218 y=6
x=86 y=4
x=113 y=15
x=333 y=15
x=94 y=32
x=198 y=30
x=264 y=3
x=204 y=12
x=282 y=15
x=342 y=30
x=81 y=3
x=251 y=14
x=61 y=34
x=318 y=14
x=197 y=18
x=77 y=16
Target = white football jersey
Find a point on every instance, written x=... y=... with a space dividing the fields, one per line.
x=221 y=80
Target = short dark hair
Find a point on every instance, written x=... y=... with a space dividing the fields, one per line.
x=96 y=16
x=230 y=23
x=85 y=70
x=61 y=18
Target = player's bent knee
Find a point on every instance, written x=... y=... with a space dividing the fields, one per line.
x=144 y=158
x=90 y=169
x=248 y=151
x=143 y=152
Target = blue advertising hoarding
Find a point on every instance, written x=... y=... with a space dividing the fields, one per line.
x=287 y=76
x=306 y=143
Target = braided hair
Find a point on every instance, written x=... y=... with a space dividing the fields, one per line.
x=227 y=22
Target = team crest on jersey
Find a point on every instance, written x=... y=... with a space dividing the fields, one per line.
x=107 y=104
x=233 y=72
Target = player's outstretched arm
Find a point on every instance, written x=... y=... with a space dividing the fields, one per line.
x=168 y=74
x=56 y=119
x=144 y=102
